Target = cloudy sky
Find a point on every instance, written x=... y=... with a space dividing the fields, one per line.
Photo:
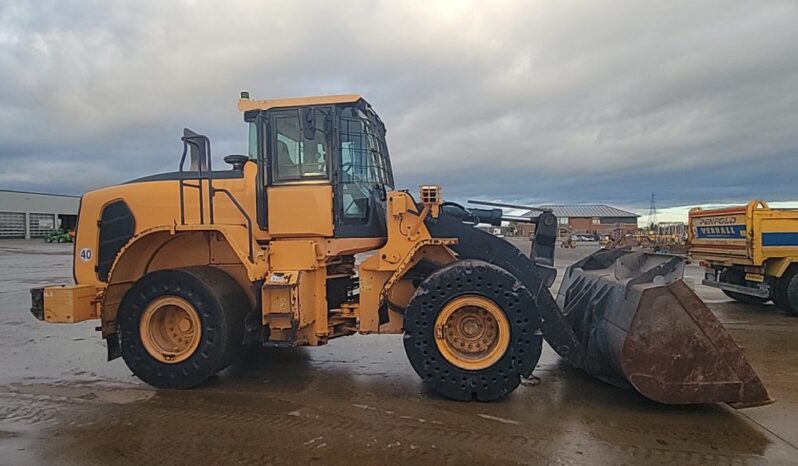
x=533 y=102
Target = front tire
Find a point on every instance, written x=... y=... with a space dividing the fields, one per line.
x=178 y=327
x=472 y=331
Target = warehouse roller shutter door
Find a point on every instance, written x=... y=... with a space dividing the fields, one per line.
x=41 y=225
x=12 y=224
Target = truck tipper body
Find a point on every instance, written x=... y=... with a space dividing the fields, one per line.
x=750 y=252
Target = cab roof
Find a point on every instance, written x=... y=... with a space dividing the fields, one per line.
x=245 y=105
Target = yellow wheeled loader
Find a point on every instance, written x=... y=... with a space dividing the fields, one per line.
x=184 y=269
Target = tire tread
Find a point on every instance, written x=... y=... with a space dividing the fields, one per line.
x=472 y=277
x=218 y=299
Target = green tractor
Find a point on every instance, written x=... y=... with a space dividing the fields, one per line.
x=59 y=236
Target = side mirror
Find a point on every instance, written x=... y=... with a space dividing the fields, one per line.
x=236 y=160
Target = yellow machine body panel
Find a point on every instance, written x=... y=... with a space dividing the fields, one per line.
x=156 y=204
x=300 y=210
x=70 y=304
x=409 y=241
x=246 y=104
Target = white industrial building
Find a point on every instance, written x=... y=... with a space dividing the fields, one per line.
x=35 y=215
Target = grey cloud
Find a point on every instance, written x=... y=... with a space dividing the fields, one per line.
x=553 y=102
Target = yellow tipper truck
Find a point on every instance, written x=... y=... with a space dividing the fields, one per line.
x=183 y=269
x=750 y=252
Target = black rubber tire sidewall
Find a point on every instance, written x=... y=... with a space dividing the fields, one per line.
x=789 y=282
x=779 y=294
x=209 y=291
x=472 y=277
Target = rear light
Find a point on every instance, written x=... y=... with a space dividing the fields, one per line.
x=704 y=264
x=752 y=269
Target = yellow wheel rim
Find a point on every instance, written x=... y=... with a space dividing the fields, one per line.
x=472 y=332
x=170 y=329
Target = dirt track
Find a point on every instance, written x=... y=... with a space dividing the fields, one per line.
x=358 y=401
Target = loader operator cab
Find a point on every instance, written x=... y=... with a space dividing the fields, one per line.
x=337 y=142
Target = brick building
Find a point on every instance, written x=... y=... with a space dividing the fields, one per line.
x=591 y=219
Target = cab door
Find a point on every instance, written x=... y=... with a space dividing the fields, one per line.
x=299 y=192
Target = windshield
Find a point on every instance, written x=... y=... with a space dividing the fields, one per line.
x=364 y=154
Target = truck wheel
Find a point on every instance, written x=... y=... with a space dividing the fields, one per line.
x=472 y=331
x=744 y=298
x=785 y=292
x=178 y=327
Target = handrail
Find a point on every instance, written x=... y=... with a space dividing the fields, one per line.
x=243 y=213
x=180 y=184
x=206 y=160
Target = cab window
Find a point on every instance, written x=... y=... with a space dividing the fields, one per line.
x=363 y=152
x=364 y=164
x=300 y=147
x=252 y=145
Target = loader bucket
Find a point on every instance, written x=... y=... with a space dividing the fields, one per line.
x=640 y=325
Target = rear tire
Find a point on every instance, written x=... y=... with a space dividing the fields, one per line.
x=485 y=306
x=206 y=303
x=744 y=298
x=785 y=292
